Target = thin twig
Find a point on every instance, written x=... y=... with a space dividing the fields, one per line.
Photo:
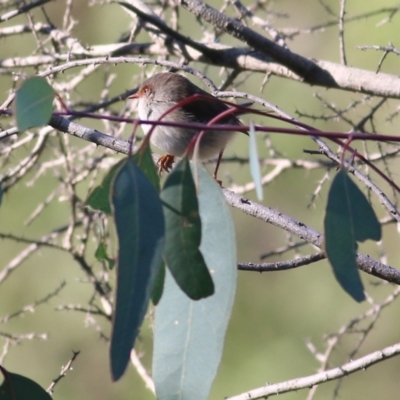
x=63 y=372
x=141 y=370
x=282 y=265
x=341 y=32
x=322 y=377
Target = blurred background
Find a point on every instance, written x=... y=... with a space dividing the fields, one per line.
x=276 y=315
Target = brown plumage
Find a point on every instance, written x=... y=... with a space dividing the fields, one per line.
x=161 y=92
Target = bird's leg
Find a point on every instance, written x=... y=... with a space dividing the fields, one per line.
x=165 y=163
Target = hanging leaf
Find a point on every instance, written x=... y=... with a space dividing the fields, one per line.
x=349 y=218
x=183 y=229
x=189 y=335
x=102 y=256
x=99 y=198
x=139 y=223
x=18 y=387
x=33 y=103
x=255 y=162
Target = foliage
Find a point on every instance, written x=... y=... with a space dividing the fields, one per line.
x=349 y=218
x=17 y=387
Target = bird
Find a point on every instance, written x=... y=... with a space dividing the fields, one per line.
x=160 y=93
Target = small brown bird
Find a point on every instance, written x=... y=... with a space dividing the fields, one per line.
x=160 y=93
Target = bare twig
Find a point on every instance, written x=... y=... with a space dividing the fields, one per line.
x=23 y=9
x=341 y=32
x=322 y=377
x=64 y=369
x=32 y=307
x=141 y=370
x=282 y=265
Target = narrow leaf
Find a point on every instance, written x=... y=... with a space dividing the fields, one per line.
x=18 y=387
x=183 y=229
x=139 y=223
x=189 y=335
x=33 y=103
x=254 y=162
x=349 y=218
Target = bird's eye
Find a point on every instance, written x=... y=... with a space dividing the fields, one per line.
x=146 y=90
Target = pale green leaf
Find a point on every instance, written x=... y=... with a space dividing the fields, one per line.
x=189 y=335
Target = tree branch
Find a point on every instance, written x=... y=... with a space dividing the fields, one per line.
x=305 y=68
x=22 y=10
x=282 y=265
x=267 y=214
x=314 y=72
x=312 y=236
x=340 y=76
x=322 y=377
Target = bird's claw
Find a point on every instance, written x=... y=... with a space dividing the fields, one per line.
x=165 y=163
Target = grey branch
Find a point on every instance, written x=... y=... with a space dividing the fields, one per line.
x=322 y=377
x=305 y=68
x=23 y=9
x=282 y=265
x=312 y=236
x=267 y=214
x=321 y=73
x=329 y=74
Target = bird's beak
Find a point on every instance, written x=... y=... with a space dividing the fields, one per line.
x=134 y=96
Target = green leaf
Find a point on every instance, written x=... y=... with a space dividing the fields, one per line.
x=99 y=198
x=101 y=255
x=189 y=335
x=145 y=162
x=183 y=233
x=33 y=103
x=349 y=218
x=18 y=387
x=139 y=223
x=254 y=162
x=158 y=287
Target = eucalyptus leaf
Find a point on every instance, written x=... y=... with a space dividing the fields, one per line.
x=140 y=228
x=33 y=103
x=349 y=218
x=18 y=387
x=189 y=335
x=102 y=256
x=183 y=233
x=99 y=198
